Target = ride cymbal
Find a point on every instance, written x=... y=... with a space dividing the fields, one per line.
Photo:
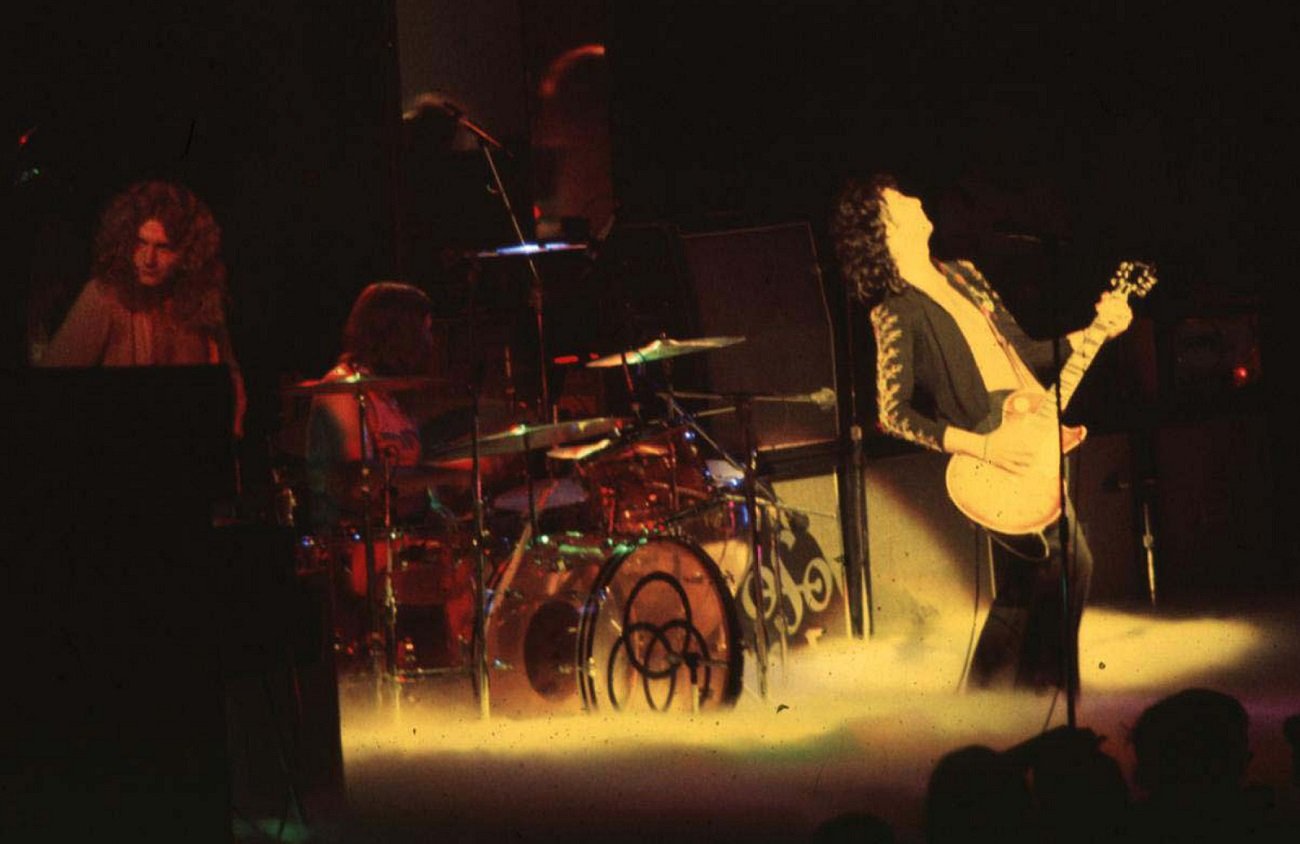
x=662 y=349
x=365 y=383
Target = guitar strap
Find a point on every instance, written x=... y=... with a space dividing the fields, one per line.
x=1024 y=377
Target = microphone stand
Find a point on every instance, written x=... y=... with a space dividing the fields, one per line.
x=1069 y=646
x=855 y=529
x=486 y=144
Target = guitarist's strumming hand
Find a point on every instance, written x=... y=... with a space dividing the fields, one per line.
x=1004 y=448
x=1010 y=450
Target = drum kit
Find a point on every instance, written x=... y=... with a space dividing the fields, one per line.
x=586 y=587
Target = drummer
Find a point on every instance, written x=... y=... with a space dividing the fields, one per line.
x=389 y=332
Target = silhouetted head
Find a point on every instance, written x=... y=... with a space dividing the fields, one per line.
x=975 y=794
x=1194 y=740
x=854 y=828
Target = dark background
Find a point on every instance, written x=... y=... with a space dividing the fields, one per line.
x=1047 y=145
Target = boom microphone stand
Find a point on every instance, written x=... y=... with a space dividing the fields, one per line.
x=487 y=143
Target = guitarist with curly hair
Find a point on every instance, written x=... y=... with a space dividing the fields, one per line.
x=956 y=374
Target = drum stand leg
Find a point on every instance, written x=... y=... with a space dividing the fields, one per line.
x=480 y=668
x=772 y=517
x=745 y=413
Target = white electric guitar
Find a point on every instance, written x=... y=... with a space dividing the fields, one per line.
x=1017 y=503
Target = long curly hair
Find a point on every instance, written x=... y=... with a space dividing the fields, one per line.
x=386 y=332
x=858 y=232
x=197 y=285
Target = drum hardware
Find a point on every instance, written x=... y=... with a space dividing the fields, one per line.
x=646 y=624
x=742 y=404
x=486 y=144
x=378 y=482
x=523 y=438
x=357 y=385
x=550 y=247
x=662 y=348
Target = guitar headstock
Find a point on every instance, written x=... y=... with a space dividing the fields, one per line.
x=1134 y=278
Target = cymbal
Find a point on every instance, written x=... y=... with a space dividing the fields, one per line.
x=547 y=495
x=521 y=438
x=662 y=349
x=404 y=479
x=526 y=250
x=365 y=383
x=579 y=452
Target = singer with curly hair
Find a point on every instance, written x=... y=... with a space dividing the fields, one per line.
x=157 y=293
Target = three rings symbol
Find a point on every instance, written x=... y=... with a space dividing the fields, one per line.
x=659 y=652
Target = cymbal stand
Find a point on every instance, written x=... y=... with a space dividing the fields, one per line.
x=368 y=539
x=532 y=493
x=745 y=415
x=742 y=403
x=478 y=656
x=386 y=579
x=487 y=143
x=632 y=399
x=673 y=493
x=481 y=681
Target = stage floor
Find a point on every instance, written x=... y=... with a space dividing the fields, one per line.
x=846 y=726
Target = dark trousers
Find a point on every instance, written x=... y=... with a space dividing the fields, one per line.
x=1024 y=642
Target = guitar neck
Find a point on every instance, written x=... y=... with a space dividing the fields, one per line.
x=1076 y=366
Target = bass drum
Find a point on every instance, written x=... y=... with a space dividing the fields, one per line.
x=580 y=621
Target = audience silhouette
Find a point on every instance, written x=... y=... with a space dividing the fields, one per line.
x=1191 y=749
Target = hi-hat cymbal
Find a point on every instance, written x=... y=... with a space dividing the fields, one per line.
x=402 y=479
x=521 y=438
x=662 y=349
x=365 y=383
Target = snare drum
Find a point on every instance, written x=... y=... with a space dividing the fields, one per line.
x=597 y=623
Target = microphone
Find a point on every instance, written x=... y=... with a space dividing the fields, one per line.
x=447 y=108
x=438 y=102
x=823 y=398
x=458 y=114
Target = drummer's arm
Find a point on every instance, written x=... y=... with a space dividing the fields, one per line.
x=328 y=447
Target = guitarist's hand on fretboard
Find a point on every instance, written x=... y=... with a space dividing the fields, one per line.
x=1113 y=313
x=1112 y=319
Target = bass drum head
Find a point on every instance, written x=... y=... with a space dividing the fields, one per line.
x=659 y=632
x=532 y=625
